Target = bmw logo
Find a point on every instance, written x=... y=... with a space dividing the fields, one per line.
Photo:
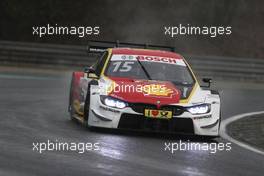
x=123 y=57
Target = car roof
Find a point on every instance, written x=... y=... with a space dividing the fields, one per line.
x=147 y=52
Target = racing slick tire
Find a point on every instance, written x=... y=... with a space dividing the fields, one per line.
x=209 y=138
x=87 y=105
x=70 y=109
x=87 y=109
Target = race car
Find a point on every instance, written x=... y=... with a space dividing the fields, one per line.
x=143 y=88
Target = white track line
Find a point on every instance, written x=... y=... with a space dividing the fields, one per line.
x=224 y=134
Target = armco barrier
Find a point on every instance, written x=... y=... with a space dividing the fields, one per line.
x=20 y=53
x=228 y=67
x=75 y=56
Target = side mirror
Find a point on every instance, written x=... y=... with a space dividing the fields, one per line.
x=208 y=81
x=90 y=72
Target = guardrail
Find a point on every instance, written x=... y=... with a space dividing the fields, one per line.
x=75 y=56
x=229 y=67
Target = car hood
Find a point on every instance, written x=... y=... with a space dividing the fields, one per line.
x=144 y=91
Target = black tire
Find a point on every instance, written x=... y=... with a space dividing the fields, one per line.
x=209 y=138
x=87 y=104
x=86 y=108
x=70 y=108
x=214 y=137
x=72 y=115
x=220 y=119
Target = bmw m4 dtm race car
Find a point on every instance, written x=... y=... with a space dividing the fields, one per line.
x=143 y=87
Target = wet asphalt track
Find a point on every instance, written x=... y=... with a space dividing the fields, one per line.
x=33 y=108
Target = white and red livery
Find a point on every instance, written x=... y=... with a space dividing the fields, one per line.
x=142 y=89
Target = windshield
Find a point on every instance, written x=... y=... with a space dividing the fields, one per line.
x=149 y=67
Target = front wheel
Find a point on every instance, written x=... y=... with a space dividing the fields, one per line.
x=209 y=138
x=86 y=108
x=70 y=108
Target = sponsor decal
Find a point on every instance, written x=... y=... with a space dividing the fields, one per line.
x=140 y=91
x=166 y=60
x=152 y=113
x=109 y=109
x=157 y=90
x=202 y=117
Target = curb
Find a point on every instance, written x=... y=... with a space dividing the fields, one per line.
x=225 y=135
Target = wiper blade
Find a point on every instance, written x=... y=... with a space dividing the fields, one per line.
x=181 y=83
x=144 y=69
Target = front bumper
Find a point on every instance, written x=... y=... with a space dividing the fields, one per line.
x=132 y=117
x=140 y=122
x=182 y=122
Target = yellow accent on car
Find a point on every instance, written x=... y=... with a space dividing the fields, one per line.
x=190 y=96
x=77 y=107
x=107 y=61
x=195 y=86
x=161 y=114
x=157 y=90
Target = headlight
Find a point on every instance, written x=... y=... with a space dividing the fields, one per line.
x=199 y=109
x=113 y=102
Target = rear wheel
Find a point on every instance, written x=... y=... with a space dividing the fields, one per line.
x=70 y=108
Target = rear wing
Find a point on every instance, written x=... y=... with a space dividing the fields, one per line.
x=101 y=46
